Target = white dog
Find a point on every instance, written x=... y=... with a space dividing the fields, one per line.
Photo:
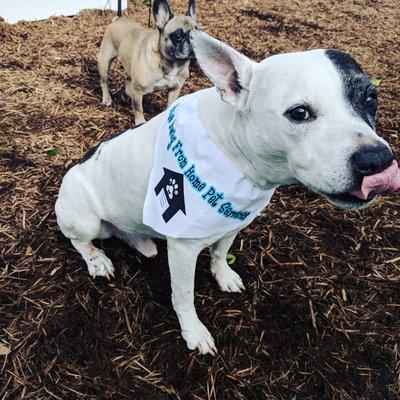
x=305 y=117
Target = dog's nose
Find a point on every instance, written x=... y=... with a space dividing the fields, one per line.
x=371 y=160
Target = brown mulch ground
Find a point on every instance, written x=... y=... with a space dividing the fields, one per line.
x=320 y=317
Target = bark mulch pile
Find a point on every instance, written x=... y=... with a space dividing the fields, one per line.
x=320 y=316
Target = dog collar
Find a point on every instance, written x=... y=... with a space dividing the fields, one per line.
x=195 y=190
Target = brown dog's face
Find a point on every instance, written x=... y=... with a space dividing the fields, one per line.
x=174 y=31
x=175 y=38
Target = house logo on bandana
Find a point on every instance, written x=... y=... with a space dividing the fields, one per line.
x=194 y=190
x=170 y=194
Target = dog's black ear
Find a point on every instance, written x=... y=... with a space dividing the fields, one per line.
x=230 y=71
x=191 y=12
x=162 y=13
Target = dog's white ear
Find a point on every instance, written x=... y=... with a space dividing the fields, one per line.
x=192 y=9
x=230 y=71
x=162 y=13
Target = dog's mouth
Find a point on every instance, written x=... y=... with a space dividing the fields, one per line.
x=180 y=54
x=191 y=55
x=184 y=52
x=348 y=201
x=386 y=181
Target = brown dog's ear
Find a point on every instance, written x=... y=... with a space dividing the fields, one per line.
x=162 y=13
x=191 y=12
x=230 y=71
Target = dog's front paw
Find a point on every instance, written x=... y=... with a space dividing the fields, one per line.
x=146 y=246
x=198 y=337
x=106 y=101
x=139 y=120
x=100 y=265
x=228 y=280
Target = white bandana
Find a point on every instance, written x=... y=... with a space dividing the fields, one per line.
x=194 y=190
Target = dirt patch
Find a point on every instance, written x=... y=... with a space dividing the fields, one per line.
x=320 y=316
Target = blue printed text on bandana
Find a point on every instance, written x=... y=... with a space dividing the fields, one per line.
x=195 y=190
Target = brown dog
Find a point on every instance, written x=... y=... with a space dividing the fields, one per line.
x=154 y=59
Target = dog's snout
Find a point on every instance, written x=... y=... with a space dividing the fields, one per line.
x=372 y=160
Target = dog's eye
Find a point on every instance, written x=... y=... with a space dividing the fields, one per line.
x=176 y=36
x=372 y=101
x=299 y=114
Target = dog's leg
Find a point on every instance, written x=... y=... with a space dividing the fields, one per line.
x=182 y=257
x=228 y=280
x=79 y=223
x=97 y=262
x=173 y=94
x=105 y=57
x=137 y=101
x=143 y=244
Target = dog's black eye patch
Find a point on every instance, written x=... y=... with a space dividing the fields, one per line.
x=177 y=35
x=371 y=100
x=355 y=85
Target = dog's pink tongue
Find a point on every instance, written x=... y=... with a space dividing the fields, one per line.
x=386 y=181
